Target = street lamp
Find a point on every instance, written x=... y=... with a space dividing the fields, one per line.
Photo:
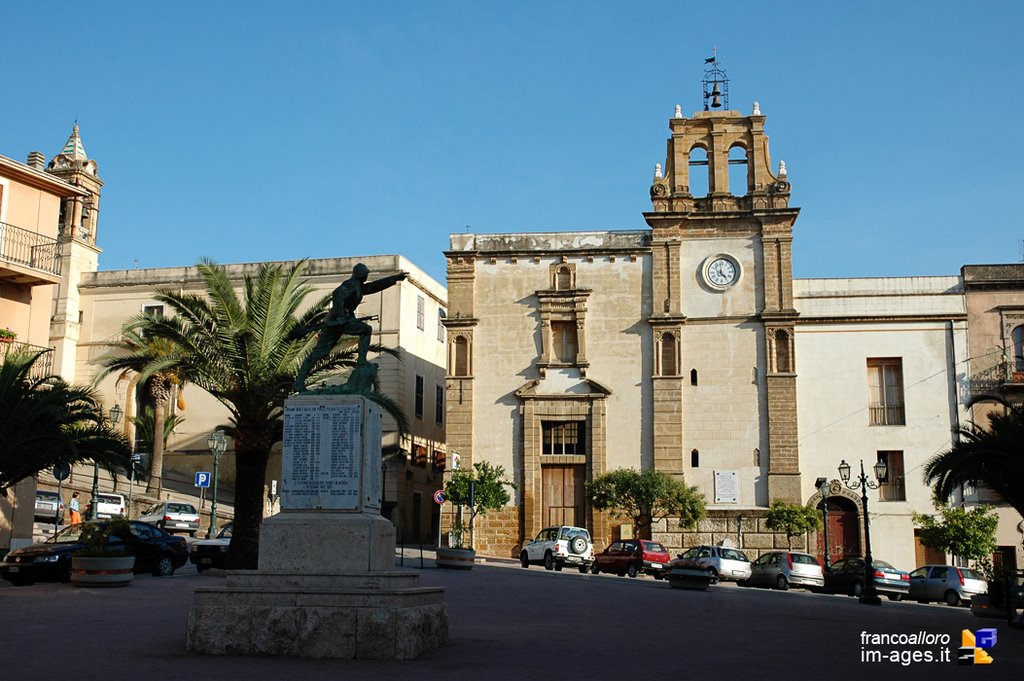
x=822 y=485
x=868 y=595
x=217 y=444
x=114 y=417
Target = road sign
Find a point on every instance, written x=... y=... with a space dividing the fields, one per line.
x=61 y=471
x=439 y=496
x=202 y=479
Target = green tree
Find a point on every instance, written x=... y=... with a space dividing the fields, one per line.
x=490 y=492
x=968 y=534
x=144 y=424
x=240 y=349
x=793 y=519
x=646 y=497
x=993 y=456
x=45 y=421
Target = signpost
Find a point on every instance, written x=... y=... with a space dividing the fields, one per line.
x=136 y=459
x=439 y=496
x=61 y=471
x=202 y=482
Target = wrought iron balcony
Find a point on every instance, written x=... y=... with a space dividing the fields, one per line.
x=1003 y=377
x=28 y=258
x=42 y=367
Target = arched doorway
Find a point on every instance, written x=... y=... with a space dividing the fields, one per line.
x=843 y=530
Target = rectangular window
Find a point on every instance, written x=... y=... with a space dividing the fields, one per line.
x=885 y=392
x=439 y=404
x=563 y=342
x=153 y=310
x=421 y=304
x=892 y=488
x=419 y=397
x=440 y=325
x=563 y=437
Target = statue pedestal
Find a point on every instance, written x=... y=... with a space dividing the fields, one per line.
x=326 y=584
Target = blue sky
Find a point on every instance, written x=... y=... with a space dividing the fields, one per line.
x=249 y=131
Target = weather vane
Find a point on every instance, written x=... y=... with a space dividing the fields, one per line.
x=716 y=83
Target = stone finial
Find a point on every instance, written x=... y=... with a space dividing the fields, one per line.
x=782 y=169
x=679 y=111
x=757 y=108
x=657 y=171
x=36 y=160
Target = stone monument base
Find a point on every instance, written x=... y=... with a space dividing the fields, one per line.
x=365 y=615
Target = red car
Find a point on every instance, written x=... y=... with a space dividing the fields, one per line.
x=631 y=557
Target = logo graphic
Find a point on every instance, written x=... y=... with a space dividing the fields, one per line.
x=973 y=646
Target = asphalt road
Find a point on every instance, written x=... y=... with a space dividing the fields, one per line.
x=511 y=623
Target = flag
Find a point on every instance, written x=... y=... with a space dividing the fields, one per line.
x=709 y=60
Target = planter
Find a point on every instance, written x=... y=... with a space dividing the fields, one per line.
x=102 y=570
x=455 y=559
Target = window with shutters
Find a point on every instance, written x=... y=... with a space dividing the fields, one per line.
x=885 y=392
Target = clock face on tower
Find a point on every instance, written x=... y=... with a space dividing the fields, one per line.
x=720 y=272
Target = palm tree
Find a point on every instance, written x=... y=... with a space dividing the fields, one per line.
x=241 y=350
x=992 y=456
x=45 y=421
x=154 y=359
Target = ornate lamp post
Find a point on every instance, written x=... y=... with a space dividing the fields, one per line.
x=217 y=444
x=822 y=485
x=114 y=417
x=868 y=595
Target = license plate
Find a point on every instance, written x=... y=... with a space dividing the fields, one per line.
x=181 y=524
x=14 y=569
x=660 y=566
x=205 y=560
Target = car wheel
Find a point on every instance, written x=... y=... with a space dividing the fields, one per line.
x=594 y=570
x=895 y=597
x=192 y=533
x=558 y=566
x=583 y=569
x=781 y=583
x=164 y=567
x=631 y=570
x=659 y=575
x=200 y=568
x=65 y=575
x=743 y=582
x=524 y=560
x=578 y=545
x=952 y=598
x=858 y=589
x=549 y=561
x=713 y=574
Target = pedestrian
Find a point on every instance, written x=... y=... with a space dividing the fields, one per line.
x=76 y=516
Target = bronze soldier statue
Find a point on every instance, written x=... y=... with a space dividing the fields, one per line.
x=342 y=320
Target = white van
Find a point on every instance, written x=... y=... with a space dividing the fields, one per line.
x=108 y=505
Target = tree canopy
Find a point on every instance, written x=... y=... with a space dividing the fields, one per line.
x=793 y=519
x=490 y=491
x=968 y=534
x=45 y=421
x=645 y=497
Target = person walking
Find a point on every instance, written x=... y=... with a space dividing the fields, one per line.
x=76 y=515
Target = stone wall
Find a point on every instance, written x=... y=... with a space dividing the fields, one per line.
x=720 y=525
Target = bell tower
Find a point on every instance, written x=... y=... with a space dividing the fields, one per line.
x=79 y=219
x=723 y=315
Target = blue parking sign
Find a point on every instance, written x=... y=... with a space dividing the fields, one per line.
x=202 y=479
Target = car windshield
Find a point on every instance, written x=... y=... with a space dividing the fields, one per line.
x=69 y=535
x=570 y=532
x=804 y=559
x=733 y=554
x=654 y=546
x=226 y=532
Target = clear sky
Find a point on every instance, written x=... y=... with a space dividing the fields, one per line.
x=249 y=131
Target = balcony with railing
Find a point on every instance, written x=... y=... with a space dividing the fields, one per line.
x=42 y=367
x=880 y=414
x=1004 y=378
x=28 y=258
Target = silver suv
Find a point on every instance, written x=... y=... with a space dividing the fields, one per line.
x=948 y=583
x=720 y=562
x=556 y=547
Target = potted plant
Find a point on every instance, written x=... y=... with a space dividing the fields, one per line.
x=481 y=489
x=100 y=563
x=6 y=335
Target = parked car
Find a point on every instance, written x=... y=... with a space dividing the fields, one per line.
x=847 y=577
x=210 y=553
x=782 y=569
x=993 y=603
x=155 y=551
x=631 y=557
x=108 y=505
x=556 y=547
x=172 y=516
x=720 y=562
x=49 y=507
x=948 y=583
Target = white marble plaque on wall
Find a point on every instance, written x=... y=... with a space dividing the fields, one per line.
x=726 y=488
x=322 y=456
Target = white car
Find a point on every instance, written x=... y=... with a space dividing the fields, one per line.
x=556 y=547
x=108 y=505
x=720 y=562
x=172 y=516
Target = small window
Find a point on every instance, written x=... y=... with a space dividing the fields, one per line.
x=698 y=172
x=563 y=342
x=153 y=310
x=1017 y=336
x=421 y=305
x=668 y=354
x=694 y=459
x=563 y=279
x=562 y=437
x=693 y=377
x=782 y=363
x=440 y=325
x=893 y=487
x=885 y=392
x=461 y=356
x=419 y=397
x=439 y=404
x=738 y=182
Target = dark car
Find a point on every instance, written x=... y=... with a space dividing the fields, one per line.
x=155 y=551
x=631 y=557
x=847 y=577
x=210 y=553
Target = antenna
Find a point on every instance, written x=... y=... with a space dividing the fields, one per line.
x=715 y=82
